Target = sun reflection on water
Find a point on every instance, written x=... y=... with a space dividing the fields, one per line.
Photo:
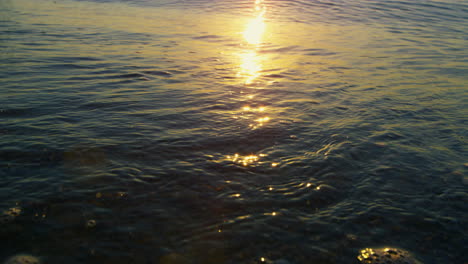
x=254 y=31
x=256 y=26
x=250 y=160
x=253 y=109
x=245 y=160
x=259 y=122
x=251 y=65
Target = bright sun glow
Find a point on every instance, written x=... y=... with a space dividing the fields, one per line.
x=251 y=65
x=255 y=27
x=254 y=30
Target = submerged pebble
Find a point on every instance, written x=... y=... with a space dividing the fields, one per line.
x=387 y=256
x=23 y=259
x=174 y=258
x=10 y=215
x=91 y=223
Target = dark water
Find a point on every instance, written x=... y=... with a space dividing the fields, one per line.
x=156 y=132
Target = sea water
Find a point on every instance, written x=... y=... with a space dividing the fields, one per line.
x=233 y=131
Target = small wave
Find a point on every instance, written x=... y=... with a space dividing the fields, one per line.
x=278 y=49
x=16 y=112
x=159 y=73
x=318 y=52
x=208 y=37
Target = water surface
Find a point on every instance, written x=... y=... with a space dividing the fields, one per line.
x=233 y=131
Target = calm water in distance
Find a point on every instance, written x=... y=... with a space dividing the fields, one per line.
x=233 y=131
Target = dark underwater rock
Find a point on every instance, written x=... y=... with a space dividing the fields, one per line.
x=23 y=259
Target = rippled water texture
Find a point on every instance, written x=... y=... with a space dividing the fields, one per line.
x=225 y=131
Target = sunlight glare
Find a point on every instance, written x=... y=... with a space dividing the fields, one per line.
x=254 y=30
x=246 y=160
x=250 y=67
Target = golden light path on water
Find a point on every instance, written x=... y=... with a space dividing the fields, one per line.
x=250 y=67
x=250 y=70
x=256 y=26
x=253 y=34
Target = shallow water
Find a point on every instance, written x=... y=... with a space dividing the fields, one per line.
x=233 y=131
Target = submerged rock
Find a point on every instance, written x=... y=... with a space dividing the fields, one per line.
x=10 y=215
x=23 y=259
x=386 y=256
x=174 y=258
x=91 y=223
